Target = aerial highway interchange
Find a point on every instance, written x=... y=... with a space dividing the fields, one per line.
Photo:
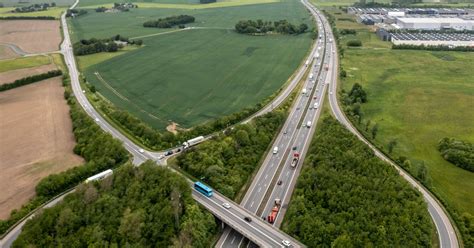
x=275 y=179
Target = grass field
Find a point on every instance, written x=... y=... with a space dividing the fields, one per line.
x=92 y=59
x=83 y=3
x=219 y=4
x=25 y=62
x=417 y=98
x=198 y=74
x=54 y=12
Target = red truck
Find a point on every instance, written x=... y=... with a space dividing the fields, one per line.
x=273 y=214
x=296 y=157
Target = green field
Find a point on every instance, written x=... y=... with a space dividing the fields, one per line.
x=54 y=12
x=417 y=98
x=193 y=75
x=25 y=62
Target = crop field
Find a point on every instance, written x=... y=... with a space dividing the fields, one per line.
x=417 y=98
x=10 y=76
x=194 y=75
x=31 y=36
x=54 y=12
x=16 y=3
x=36 y=141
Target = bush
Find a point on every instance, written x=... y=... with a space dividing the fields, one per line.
x=460 y=153
x=263 y=27
x=30 y=80
x=354 y=43
x=169 y=22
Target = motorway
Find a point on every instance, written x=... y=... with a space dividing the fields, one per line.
x=263 y=191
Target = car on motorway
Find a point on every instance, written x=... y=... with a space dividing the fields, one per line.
x=248 y=219
x=308 y=124
x=286 y=243
x=275 y=150
x=294 y=148
x=141 y=150
x=97 y=119
x=168 y=153
x=330 y=92
x=279 y=182
x=286 y=131
x=315 y=96
x=226 y=205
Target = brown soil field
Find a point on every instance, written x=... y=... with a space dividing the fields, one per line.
x=32 y=36
x=36 y=140
x=10 y=76
x=7 y=53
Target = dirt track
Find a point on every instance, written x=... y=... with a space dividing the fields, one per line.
x=10 y=76
x=36 y=141
x=7 y=53
x=32 y=36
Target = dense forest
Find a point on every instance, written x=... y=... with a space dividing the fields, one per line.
x=30 y=80
x=226 y=162
x=93 y=45
x=458 y=152
x=146 y=206
x=263 y=27
x=169 y=22
x=347 y=197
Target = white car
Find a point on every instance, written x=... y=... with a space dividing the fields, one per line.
x=161 y=157
x=286 y=243
x=141 y=151
x=226 y=205
x=330 y=92
x=97 y=119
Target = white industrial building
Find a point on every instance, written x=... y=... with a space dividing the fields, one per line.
x=434 y=23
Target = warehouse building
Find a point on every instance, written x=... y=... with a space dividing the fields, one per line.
x=434 y=23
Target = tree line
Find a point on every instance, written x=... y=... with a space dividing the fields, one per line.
x=34 y=7
x=27 y=18
x=169 y=22
x=263 y=27
x=30 y=80
x=458 y=152
x=227 y=161
x=347 y=197
x=207 y=1
x=93 y=45
x=434 y=47
x=146 y=206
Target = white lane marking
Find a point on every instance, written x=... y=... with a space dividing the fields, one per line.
x=251 y=205
x=266 y=175
x=233 y=239
x=259 y=189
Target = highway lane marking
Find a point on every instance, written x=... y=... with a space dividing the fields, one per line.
x=266 y=176
x=260 y=188
x=233 y=239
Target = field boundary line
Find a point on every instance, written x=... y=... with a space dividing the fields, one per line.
x=178 y=30
x=97 y=74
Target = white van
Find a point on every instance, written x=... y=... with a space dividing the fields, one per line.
x=315 y=105
x=308 y=124
x=275 y=150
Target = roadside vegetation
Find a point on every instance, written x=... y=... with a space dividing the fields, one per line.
x=113 y=44
x=169 y=22
x=146 y=206
x=410 y=100
x=347 y=197
x=263 y=27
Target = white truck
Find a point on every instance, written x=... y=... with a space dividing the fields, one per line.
x=193 y=142
x=100 y=176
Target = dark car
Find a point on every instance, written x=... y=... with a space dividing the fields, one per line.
x=294 y=148
x=279 y=182
x=248 y=219
x=168 y=153
x=178 y=150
